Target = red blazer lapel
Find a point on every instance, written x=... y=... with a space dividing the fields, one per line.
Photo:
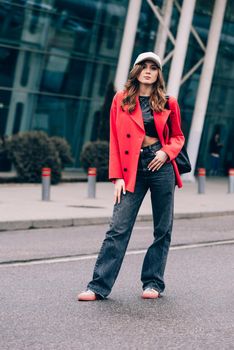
x=160 y=119
x=136 y=115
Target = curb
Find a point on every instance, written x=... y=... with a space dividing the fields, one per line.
x=57 y=223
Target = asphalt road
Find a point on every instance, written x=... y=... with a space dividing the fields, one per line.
x=38 y=299
x=73 y=241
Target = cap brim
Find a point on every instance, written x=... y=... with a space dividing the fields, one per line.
x=149 y=59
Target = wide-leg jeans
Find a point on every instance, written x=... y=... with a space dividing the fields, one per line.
x=161 y=184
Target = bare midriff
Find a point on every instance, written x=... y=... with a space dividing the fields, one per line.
x=148 y=140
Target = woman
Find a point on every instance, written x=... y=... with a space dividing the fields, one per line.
x=215 y=150
x=142 y=153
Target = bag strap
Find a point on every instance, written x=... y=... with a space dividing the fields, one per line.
x=167 y=103
x=168 y=107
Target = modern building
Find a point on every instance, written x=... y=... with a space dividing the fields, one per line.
x=57 y=58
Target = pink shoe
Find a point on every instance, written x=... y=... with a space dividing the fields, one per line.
x=150 y=293
x=88 y=295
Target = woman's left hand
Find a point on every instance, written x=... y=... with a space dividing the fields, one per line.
x=159 y=159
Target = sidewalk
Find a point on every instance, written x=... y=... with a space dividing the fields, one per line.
x=21 y=206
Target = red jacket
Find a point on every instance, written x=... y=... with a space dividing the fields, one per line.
x=127 y=134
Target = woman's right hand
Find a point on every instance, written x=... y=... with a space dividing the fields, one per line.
x=119 y=187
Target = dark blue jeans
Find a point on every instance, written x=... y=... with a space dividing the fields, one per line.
x=161 y=184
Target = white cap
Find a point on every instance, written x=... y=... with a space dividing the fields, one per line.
x=149 y=56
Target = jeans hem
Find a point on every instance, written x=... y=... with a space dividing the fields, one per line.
x=96 y=292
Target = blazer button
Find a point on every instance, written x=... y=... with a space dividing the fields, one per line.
x=126 y=152
x=125 y=169
x=128 y=135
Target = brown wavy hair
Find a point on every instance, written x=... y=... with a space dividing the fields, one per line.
x=131 y=90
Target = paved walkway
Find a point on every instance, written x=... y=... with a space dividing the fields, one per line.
x=21 y=206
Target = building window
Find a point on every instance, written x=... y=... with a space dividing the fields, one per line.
x=26 y=68
x=18 y=117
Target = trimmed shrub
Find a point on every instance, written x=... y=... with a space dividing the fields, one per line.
x=30 y=152
x=64 y=150
x=96 y=154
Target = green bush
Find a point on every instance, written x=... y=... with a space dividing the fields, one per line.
x=30 y=152
x=63 y=149
x=96 y=154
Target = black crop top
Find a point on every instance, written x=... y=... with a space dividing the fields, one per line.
x=147 y=113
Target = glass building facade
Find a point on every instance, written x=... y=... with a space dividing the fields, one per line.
x=57 y=58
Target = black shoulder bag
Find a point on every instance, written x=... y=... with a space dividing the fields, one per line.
x=182 y=160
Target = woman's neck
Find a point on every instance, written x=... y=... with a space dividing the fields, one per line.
x=145 y=90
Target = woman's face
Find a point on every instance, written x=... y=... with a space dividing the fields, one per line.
x=149 y=73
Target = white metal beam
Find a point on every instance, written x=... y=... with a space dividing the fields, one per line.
x=127 y=44
x=161 y=20
x=181 y=45
x=191 y=71
x=163 y=32
x=205 y=83
x=161 y=40
x=193 y=30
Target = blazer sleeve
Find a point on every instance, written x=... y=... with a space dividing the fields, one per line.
x=176 y=136
x=115 y=169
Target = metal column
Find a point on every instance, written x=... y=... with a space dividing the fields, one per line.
x=160 y=45
x=127 y=45
x=205 y=83
x=181 y=45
